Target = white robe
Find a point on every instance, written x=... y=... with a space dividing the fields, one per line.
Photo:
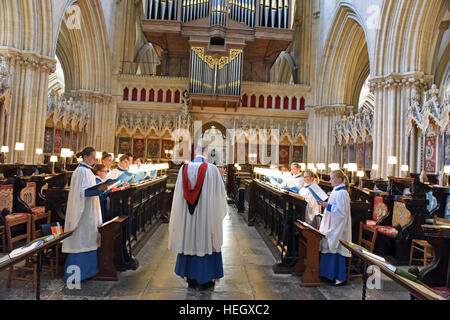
x=313 y=207
x=337 y=225
x=295 y=181
x=199 y=234
x=83 y=214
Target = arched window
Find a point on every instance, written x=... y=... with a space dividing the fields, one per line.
x=294 y=103
x=177 y=96
x=261 y=101
x=151 y=94
x=269 y=102
x=143 y=95
x=253 y=101
x=302 y=104
x=126 y=93
x=134 y=94
x=160 y=95
x=277 y=103
x=245 y=100
x=169 y=96
x=286 y=103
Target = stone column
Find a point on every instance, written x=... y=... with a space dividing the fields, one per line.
x=29 y=74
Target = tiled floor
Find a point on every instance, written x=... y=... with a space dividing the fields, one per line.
x=247 y=268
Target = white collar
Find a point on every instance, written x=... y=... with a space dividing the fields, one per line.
x=339 y=186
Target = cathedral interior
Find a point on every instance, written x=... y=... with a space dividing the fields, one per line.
x=358 y=85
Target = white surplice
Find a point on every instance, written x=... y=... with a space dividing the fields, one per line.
x=296 y=181
x=199 y=234
x=336 y=223
x=313 y=207
x=83 y=214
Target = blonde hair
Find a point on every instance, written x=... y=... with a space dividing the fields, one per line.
x=313 y=175
x=341 y=175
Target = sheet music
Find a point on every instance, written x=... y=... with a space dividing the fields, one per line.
x=318 y=192
x=110 y=221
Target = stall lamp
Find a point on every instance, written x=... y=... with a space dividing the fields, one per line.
x=360 y=174
x=346 y=166
x=134 y=168
x=53 y=160
x=404 y=168
x=447 y=169
x=303 y=166
x=392 y=160
x=334 y=166
x=311 y=166
x=20 y=146
x=98 y=155
x=375 y=167
x=321 y=166
x=5 y=149
x=39 y=151
x=352 y=167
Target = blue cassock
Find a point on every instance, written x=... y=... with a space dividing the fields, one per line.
x=200 y=269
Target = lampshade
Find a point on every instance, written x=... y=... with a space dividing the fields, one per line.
x=5 y=149
x=236 y=165
x=239 y=168
x=360 y=174
x=53 y=159
x=334 y=166
x=144 y=168
x=39 y=151
x=447 y=169
x=311 y=166
x=20 y=146
x=134 y=168
x=321 y=166
x=345 y=165
x=79 y=160
x=404 y=168
x=352 y=167
x=314 y=170
x=375 y=167
x=65 y=153
x=392 y=160
x=302 y=166
x=98 y=155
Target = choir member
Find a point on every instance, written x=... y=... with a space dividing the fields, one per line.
x=313 y=208
x=295 y=182
x=100 y=176
x=83 y=216
x=336 y=225
x=195 y=229
x=107 y=161
x=124 y=164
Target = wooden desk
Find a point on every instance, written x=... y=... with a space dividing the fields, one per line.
x=308 y=249
x=110 y=259
x=36 y=259
x=437 y=274
x=417 y=288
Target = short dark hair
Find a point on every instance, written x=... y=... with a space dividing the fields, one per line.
x=97 y=168
x=123 y=157
x=85 y=152
x=105 y=155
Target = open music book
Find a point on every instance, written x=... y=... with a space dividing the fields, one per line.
x=108 y=222
x=317 y=192
x=25 y=249
x=309 y=226
x=111 y=183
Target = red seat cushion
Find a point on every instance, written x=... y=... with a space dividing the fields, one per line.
x=390 y=232
x=443 y=292
x=16 y=216
x=38 y=210
x=371 y=223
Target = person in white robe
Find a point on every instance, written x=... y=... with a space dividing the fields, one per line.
x=107 y=161
x=296 y=181
x=313 y=208
x=195 y=229
x=336 y=225
x=83 y=216
x=124 y=164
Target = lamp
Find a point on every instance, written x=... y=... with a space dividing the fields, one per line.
x=392 y=161
x=20 y=146
x=53 y=160
x=352 y=167
x=4 y=149
x=134 y=168
x=303 y=166
x=321 y=167
x=446 y=173
x=360 y=174
x=311 y=166
x=374 y=168
x=39 y=151
x=65 y=153
x=404 y=168
x=334 y=166
x=98 y=156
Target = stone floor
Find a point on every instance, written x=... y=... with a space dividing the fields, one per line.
x=247 y=268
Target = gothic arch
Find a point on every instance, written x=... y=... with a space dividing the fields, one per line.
x=346 y=63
